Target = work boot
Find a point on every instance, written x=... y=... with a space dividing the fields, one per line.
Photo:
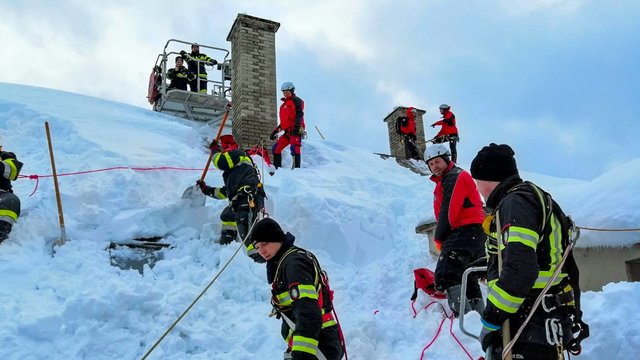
x=296 y=160
x=227 y=236
x=453 y=297
x=277 y=160
x=477 y=304
x=5 y=229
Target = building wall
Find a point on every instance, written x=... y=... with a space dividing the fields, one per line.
x=395 y=140
x=253 y=80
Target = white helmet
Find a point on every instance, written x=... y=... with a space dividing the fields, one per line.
x=436 y=150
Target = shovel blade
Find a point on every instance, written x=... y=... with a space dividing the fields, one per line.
x=194 y=196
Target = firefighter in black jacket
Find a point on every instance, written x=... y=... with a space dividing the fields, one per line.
x=300 y=294
x=196 y=62
x=9 y=203
x=244 y=190
x=180 y=76
x=531 y=252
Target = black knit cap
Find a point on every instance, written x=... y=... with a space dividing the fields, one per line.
x=494 y=163
x=267 y=230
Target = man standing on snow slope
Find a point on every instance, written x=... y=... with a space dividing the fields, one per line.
x=532 y=246
x=244 y=190
x=300 y=294
x=406 y=126
x=9 y=203
x=459 y=234
x=292 y=123
x=448 y=132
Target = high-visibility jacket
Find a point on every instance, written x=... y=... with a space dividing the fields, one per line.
x=238 y=173
x=298 y=293
x=9 y=170
x=529 y=258
x=198 y=68
x=180 y=77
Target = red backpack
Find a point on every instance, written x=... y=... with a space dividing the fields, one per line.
x=425 y=281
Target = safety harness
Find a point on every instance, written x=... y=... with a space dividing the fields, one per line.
x=320 y=291
x=565 y=293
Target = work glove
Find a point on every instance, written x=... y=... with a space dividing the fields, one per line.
x=274 y=134
x=157 y=68
x=489 y=335
x=183 y=54
x=202 y=185
x=214 y=62
x=214 y=146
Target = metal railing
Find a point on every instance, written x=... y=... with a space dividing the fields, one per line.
x=220 y=85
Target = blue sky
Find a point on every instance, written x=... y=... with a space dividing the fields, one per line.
x=556 y=79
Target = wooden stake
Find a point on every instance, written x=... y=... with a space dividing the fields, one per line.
x=63 y=234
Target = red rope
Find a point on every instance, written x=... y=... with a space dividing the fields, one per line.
x=446 y=316
x=37 y=177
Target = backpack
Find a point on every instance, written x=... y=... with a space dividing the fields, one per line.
x=425 y=281
x=401 y=121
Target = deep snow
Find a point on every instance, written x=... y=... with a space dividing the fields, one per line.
x=356 y=211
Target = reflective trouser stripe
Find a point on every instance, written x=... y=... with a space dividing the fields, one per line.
x=502 y=300
x=8 y=216
x=229 y=225
x=304 y=344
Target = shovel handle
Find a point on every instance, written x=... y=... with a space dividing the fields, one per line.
x=206 y=166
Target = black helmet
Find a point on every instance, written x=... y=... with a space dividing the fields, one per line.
x=445 y=107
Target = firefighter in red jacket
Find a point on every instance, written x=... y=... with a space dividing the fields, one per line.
x=459 y=234
x=448 y=132
x=300 y=294
x=292 y=123
x=406 y=127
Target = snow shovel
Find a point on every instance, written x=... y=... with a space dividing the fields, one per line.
x=193 y=194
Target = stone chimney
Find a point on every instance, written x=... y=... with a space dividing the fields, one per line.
x=395 y=140
x=253 y=83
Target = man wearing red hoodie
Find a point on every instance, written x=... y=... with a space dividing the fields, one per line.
x=448 y=132
x=292 y=123
x=459 y=235
x=406 y=127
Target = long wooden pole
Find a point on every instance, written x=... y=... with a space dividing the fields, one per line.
x=206 y=167
x=63 y=234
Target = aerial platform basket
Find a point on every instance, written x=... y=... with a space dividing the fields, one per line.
x=196 y=106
